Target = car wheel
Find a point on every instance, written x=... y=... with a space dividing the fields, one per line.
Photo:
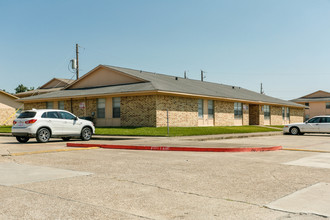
x=66 y=138
x=294 y=131
x=22 y=139
x=43 y=135
x=86 y=134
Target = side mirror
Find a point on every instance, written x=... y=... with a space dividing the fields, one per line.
x=76 y=118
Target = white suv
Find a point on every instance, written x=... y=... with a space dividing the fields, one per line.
x=46 y=123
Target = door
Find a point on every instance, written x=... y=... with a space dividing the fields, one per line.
x=71 y=124
x=311 y=125
x=324 y=125
x=52 y=120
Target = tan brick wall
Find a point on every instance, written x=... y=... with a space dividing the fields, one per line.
x=296 y=115
x=276 y=115
x=36 y=105
x=245 y=114
x=183 y=112
x=138 y=111
x=7 y=115
x=261 y=116
x=223 y=113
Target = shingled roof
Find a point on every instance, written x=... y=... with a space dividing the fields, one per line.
x=166 y=84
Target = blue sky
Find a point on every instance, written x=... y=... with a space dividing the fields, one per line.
x=284 y=44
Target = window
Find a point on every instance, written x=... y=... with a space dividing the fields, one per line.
x=66 y=115
x=327 y=105
x=101 y=108
x=287 y=113
x=27 y=115
x=116 y=107
x=238 y=110
x=49 y=105
x=266 y=112
x=283 y=113
x=314 y=120
x=210 y=109
x=50 y=115
x=200 y=108
x=61 y=105
x=307 y=104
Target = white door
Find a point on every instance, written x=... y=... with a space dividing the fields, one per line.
x=311 y=125
x=52 y=120
x=324 y=125
x=71 y=124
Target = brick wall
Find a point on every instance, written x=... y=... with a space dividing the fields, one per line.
x=223 y=113
x=276 y=115
x=183 y=112
x=138 y=111
x=36 y=105
x=7 y=115
x=245 y=114
x=296 y=115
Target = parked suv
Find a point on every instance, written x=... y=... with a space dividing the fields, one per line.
x=46 y=123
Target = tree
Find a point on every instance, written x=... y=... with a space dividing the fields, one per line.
x=22 y=88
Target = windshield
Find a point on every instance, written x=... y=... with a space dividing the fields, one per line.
x=27 y=115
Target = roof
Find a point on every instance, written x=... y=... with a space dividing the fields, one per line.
x=315 y=99
x=37 y=92
x=59 y=82
x=8 y=94
x=165 y=83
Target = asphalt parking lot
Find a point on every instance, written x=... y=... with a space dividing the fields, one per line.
x=46 y=181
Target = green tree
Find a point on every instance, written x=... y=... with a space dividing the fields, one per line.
x=21 y=88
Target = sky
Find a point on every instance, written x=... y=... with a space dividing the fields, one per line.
x=283 y=44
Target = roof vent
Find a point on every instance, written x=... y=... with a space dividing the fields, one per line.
x=233 y=87
x=176 y=78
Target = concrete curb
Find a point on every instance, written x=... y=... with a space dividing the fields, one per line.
x=163 y=148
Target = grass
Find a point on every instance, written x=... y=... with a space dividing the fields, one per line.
x=174 y=131
x=5 y=129
x=276 y=126
x=180 y=131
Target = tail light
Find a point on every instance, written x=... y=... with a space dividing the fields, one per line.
x=31 y=121
x=14 y=122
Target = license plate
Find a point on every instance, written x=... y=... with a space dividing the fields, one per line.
x=20 y=123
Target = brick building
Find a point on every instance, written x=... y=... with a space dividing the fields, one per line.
x=8 y=106
x=117 y=96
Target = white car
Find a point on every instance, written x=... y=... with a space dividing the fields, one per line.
x=318 y=124
x=46 y=123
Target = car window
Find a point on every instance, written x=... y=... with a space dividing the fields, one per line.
x=325 y=120
x=52 y=115
x=27 y=115
x=66 y=115
x=314 y=120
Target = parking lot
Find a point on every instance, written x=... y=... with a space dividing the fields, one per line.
x=52 y=181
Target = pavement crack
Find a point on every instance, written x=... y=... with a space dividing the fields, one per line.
x=79 y=202
x=298 y=213
x=190 y=193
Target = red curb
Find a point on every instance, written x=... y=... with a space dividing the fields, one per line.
x=163 y=148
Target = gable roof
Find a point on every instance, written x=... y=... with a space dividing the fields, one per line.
x=57 y=83
x=52 y=85
x=317 y=96
x=8 y=94
x=154 y=82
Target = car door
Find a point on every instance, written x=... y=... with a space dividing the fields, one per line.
x=71 y=126
x=312 y=125
x=324 y=125
x=53 y=121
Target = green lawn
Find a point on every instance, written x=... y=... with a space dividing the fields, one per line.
x=5 y=129
x=276 y=126
x=180 y=131
x=174 y=131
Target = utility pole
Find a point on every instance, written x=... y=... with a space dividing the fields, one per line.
x=77 y=58
x=202 y=75
x=261 y=89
